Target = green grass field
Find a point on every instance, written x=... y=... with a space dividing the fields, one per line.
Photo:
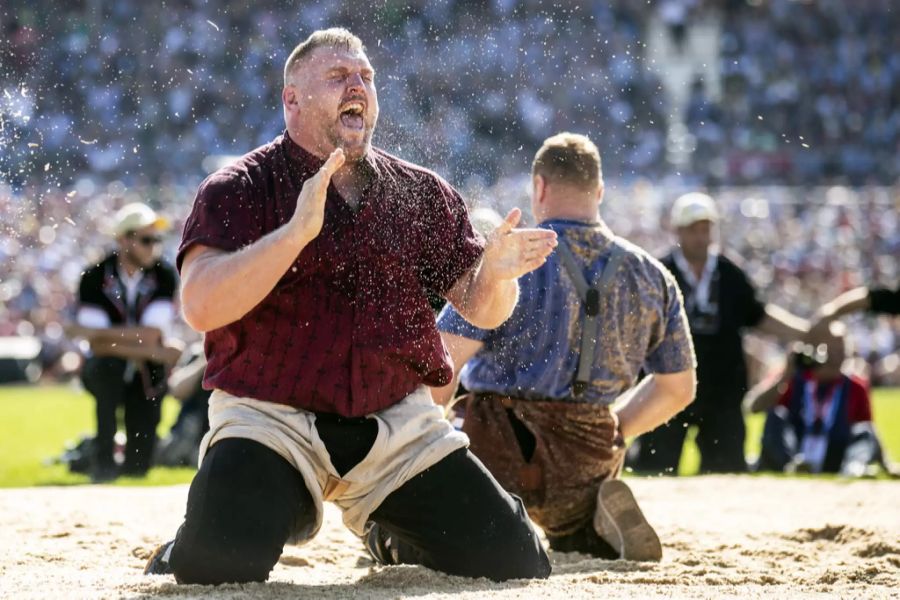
x=36 y=423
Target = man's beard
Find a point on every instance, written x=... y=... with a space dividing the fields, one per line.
x=356 y=152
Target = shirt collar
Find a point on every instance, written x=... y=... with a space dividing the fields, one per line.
x=556 y=224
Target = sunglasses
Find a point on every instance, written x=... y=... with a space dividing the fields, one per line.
x=147 y=240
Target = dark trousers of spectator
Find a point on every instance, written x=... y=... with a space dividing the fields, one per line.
x=781 y=444
x=720 y=440
x=246 y=500
x=104 y=379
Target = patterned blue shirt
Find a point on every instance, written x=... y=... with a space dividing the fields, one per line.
x=534 y=354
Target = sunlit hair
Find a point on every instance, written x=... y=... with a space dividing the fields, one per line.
x=336 y=37
x=569 y=158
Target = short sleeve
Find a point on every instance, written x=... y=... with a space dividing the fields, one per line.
x=451 y=247
x=450 y=321
x=160 y=314
x=223 y=216
x=93 y=317
x=671 y=350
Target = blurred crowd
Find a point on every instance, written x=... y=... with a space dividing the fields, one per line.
x=469 y=88
x=809 y=89
x=810 y=93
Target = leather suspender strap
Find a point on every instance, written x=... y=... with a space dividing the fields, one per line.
x=590 y=297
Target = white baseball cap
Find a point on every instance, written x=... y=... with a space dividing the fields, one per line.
x=693 y=207
x=137 y=215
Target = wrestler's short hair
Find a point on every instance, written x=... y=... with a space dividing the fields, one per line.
x=569 y=158
x=335 y=37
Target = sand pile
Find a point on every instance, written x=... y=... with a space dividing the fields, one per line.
x=722 y=536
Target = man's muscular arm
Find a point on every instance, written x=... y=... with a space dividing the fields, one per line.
x=220 y=287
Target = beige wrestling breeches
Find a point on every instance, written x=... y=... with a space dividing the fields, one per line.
x=412 y=436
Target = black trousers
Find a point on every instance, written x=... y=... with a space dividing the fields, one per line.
x=720 y=440
x=103 y=377
x=246 y=500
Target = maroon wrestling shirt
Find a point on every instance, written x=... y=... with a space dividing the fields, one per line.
x=348 y=329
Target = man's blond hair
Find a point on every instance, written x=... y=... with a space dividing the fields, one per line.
x=336 y=37
x=569 y=158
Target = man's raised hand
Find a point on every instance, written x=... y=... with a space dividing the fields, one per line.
x=511 y=253
x=310 y=212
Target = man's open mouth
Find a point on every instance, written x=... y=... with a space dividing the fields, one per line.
x=352 y=115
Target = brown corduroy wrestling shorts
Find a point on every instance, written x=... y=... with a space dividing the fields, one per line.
x=575 y=450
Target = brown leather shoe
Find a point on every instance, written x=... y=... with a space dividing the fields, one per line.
x=618 y=520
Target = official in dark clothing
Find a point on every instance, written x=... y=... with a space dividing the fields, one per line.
x=126 y=307
x=720 y=302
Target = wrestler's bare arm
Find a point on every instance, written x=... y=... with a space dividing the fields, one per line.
x=654 y=401
x=461 y=349
x=220 y=287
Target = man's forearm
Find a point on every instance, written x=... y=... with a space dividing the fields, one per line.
x=124 y=335
x=764 y=395
x=220 y=288
x=649 y=404
x=490 y=301
x=443 y=395
x=783 y=324
x=637 y=412
x=849 y=302
x=162 y=354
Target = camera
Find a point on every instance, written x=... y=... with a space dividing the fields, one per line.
x=807 y=356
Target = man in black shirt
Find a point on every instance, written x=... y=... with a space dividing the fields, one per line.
x=720 y=302
x=126 y=306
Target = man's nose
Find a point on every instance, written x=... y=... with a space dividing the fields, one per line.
x=355 y=83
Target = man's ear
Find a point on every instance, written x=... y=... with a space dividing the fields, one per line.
x=600 y=190
x=289 y=95
x=539 y=185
